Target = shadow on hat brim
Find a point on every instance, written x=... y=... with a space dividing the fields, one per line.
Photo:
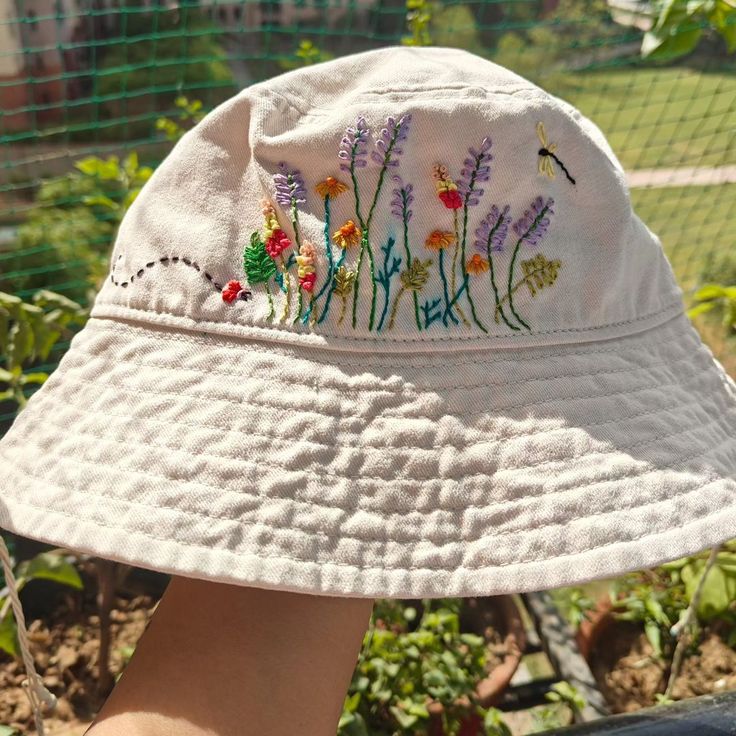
x=477 y=472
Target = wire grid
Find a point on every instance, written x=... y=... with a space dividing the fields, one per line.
x=81 y=79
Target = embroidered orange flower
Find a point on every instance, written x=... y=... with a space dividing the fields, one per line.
x=439 y=239
x=330 y=187
x=477 y=264
x=349 y=234
x=446 y=188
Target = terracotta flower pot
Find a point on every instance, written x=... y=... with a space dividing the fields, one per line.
x=491 y=688
x=594 y=626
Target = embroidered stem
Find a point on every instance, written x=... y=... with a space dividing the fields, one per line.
x=391 y=266
x=448 y=309
x=287 y=299
x=511 y=289
x=532 y=227
x=454 y=268
x=328 y=249
x=395 y=306
x=405 y=220
x=489 y=249
x=342 y=309
x=365 y=247
x=295 y=225
x=271 y=310
x=332 y=288
x=465 y=235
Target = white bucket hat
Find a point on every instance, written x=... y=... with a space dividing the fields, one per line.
x=385 y=326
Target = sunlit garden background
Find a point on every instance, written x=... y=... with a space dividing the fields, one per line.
x=93 y=94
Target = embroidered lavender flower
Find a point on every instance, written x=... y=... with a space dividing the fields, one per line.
x=354 y=147
x=532 y=226
x=475 y=169
x=387 y=151
x=402 y=198
x=289 y=185
x=494 y=226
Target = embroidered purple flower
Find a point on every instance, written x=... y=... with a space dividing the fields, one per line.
x=532 y=226
x=289 y=185
x=402 y=198
x=387 y=151
x=475 y=169
x=353 y=147
x=494 y=226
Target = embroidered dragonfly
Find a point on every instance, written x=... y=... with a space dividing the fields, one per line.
x=547 y=154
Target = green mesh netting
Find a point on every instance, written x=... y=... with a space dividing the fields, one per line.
x=86 y=80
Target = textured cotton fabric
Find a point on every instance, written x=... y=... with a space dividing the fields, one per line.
x=565 y=424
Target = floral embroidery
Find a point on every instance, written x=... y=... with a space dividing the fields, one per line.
x=547 y=154
x=439 y=239
x=330 y=187
x=477 y=264
x=394 y=269
x=446 y=188
x=403 y=196
x=349 y=234
x=233 y=290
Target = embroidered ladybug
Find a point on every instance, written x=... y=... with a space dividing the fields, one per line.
x=234 y=290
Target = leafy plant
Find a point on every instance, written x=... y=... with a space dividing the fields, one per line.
x=652 y=599
x=28 y=331
x=190 y=113
x=70 y=228
x=51 y=565
x=679 y=25
x=722 y=299
x=401 y=671
x=306 y=54
x=574 y=604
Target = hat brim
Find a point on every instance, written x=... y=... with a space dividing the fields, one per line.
x=308 y=469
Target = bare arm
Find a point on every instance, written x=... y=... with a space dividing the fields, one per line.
x=224 y=660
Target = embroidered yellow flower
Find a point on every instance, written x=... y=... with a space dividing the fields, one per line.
x=477 y=264
x=305 y=264
x=270 y=220
x=330 y=187
x=349 y=234
x=439 y=239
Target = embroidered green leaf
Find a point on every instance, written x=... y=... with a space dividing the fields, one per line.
x=344 y=280
x=539 y=272
x=415 y=277
x=259 y=266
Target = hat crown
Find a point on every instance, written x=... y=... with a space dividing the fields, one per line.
x=392 y=198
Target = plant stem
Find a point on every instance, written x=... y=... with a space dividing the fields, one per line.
x=328 y=249
x=454 y=268
x=271 y=310
x=395 y=305
x=489 y=250
x=465 y=237
x=683 y=626
x=510 y=289
x=408 y=257
x=448 y=310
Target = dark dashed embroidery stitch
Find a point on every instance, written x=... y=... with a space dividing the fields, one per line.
x=244 y=293
x=547 y=153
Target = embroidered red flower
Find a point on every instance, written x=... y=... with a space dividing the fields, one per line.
x=277 y=243
x=231 y=291
x=451 y=199
x=446 y=188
